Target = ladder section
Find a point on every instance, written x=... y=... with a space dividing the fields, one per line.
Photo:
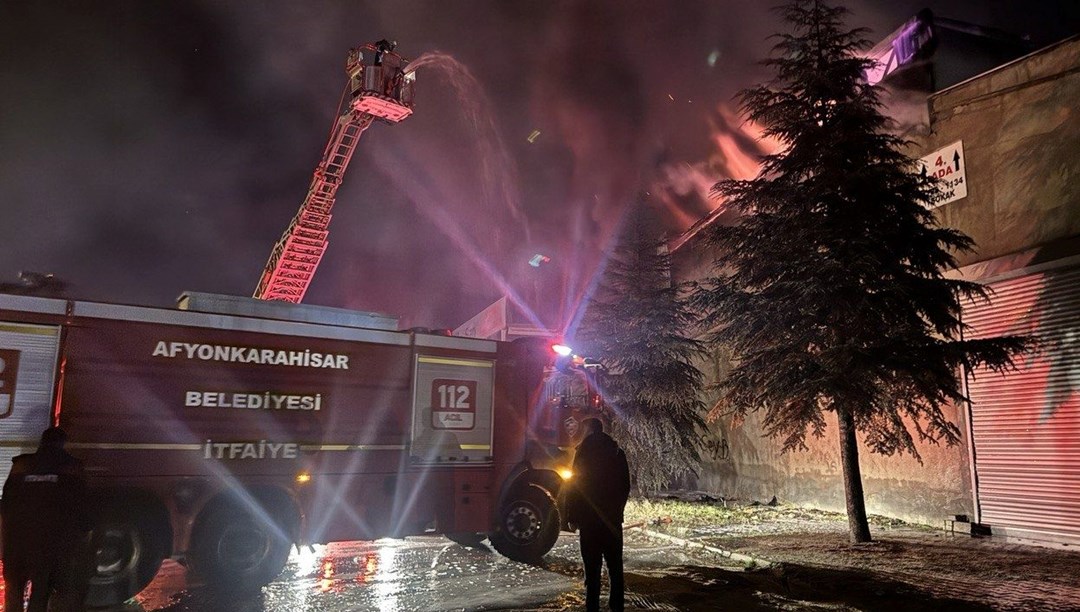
x=297 y=254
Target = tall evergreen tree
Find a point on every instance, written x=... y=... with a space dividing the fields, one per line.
x=830 y=291
x=637 y=325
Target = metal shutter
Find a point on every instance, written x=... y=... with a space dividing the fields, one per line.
x=1026 y=424
x=27 y=367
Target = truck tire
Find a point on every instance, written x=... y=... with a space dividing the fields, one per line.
x=128 y=545
x=236 y=551
x=528 y=525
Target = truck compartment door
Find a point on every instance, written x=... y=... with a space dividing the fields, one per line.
x=27 y=378
x=452 y=404
x=472 y=501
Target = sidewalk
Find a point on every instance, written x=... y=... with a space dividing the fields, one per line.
x=810 y=549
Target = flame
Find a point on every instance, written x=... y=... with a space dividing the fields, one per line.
x=684 y=189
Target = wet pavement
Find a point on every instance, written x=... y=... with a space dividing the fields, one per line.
x=434 y=574
x=418 y=574
x=665 y=573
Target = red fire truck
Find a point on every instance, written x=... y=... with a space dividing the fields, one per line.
x=223 y=440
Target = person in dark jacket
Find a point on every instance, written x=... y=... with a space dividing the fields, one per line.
x=45 y=521
x=596 y=503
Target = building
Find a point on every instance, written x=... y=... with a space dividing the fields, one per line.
x=1020 y=132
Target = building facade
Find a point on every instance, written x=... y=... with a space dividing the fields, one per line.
x=1006 y=143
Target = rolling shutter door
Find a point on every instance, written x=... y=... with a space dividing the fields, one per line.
x=1026 y=424
x=27 y=368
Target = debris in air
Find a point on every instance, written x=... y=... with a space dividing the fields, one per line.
x=533 y=136
x=538 y=259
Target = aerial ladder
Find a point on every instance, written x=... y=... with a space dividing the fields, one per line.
x=378 y=88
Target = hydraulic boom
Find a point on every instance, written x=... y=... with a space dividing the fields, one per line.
x=378 y=88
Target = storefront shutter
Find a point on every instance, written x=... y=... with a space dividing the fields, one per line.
x=1026 y=424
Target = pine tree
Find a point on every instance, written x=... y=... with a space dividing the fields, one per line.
x=637 y=327
x=830 y=290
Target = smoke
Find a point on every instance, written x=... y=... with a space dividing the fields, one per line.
x=152 y=148
x=685 y=189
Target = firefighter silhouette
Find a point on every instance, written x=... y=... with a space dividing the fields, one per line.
x=382 y=48
x=597 y=499
x=45 y=528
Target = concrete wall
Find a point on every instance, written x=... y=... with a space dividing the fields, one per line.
x=1020 y=125
x=741 y=463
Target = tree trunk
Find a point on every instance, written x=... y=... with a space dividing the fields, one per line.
x=853 y=492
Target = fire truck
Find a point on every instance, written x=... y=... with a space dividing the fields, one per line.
x=227 y=431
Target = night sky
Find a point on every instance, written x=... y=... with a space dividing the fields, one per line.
x=147 y=148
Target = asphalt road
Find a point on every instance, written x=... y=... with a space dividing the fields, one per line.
x=424 y=574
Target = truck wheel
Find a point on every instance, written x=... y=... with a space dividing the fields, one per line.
x=128 y=547
x=528 y=525
x=236 y=551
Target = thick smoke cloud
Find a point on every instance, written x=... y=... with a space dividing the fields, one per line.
x=151 y=148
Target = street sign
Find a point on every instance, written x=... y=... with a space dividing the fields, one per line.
x=948 y=166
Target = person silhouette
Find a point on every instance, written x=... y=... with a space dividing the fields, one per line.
x=45 y=525
x=596 y=503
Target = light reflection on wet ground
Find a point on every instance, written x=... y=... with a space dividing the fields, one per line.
x=425 y=573
x=416 y=574
x=433 y=574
